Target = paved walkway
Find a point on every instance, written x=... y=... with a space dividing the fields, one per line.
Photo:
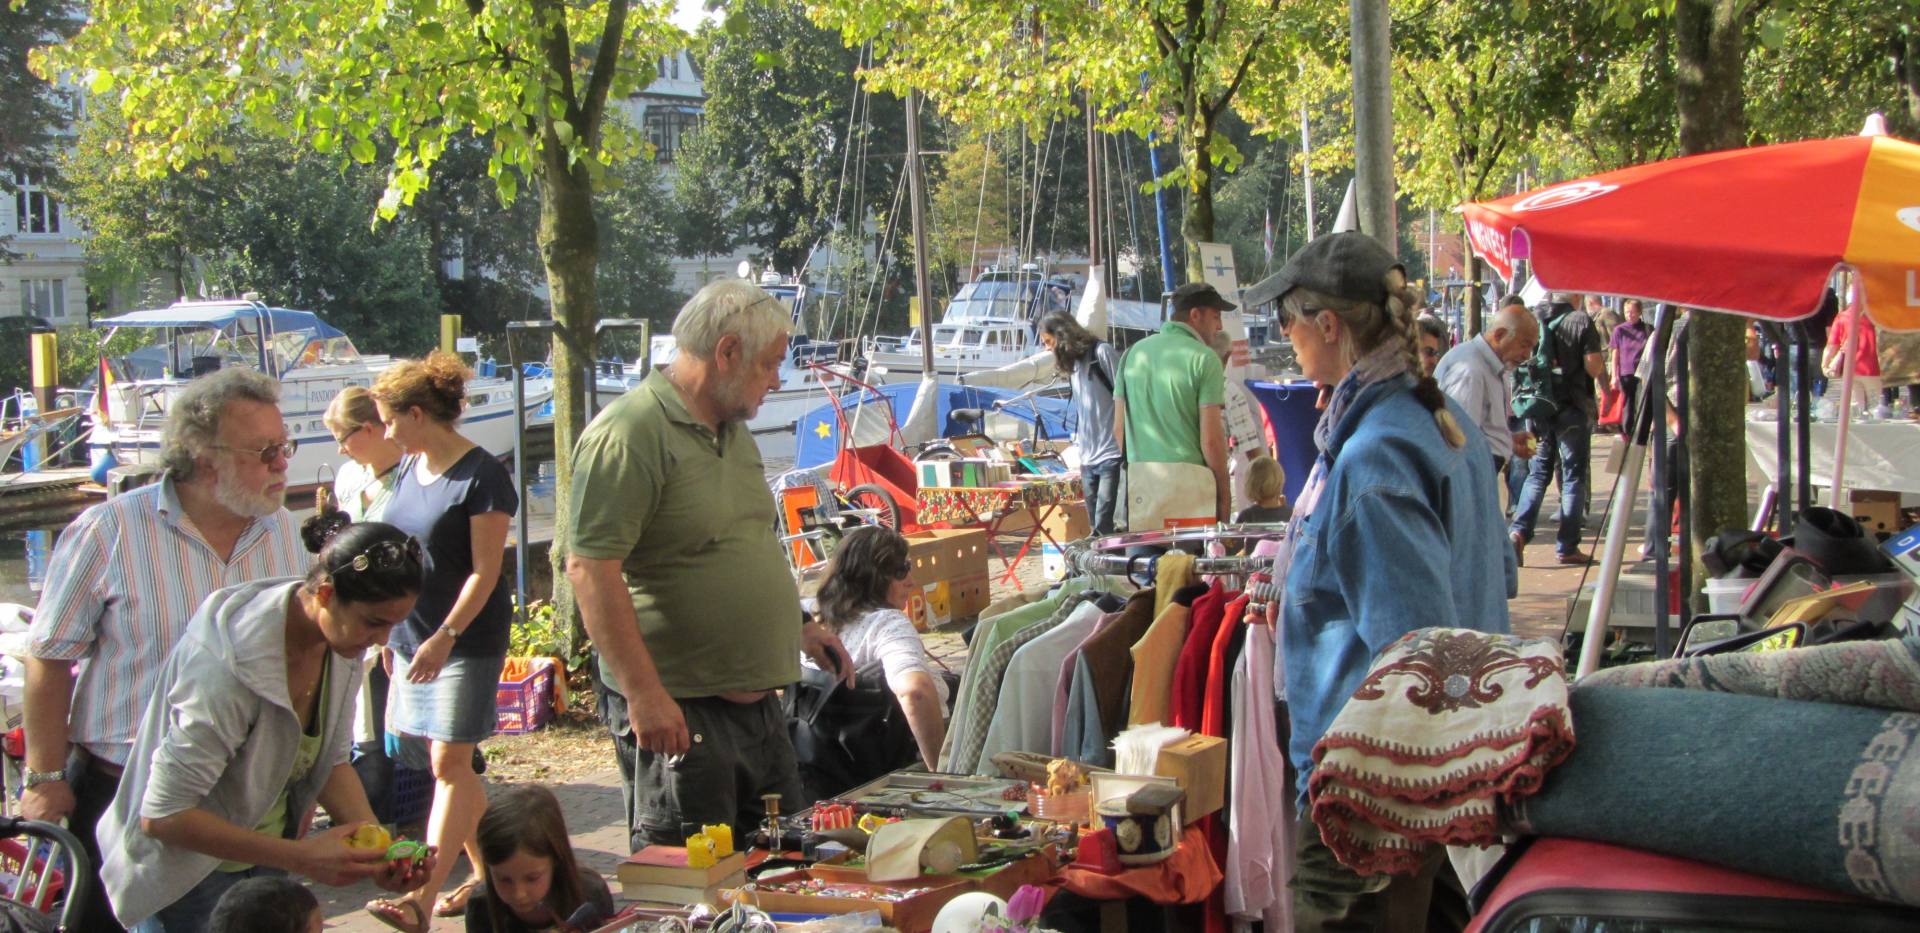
x=593 y=807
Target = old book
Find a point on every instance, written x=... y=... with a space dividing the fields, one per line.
x=667 y=865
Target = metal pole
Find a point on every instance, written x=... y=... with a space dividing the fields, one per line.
x=1649 y=411
x=1095 y=255
x=1306 y=168
x=917 y=196
x=523 y=525
x=1803 y=414
x=1660 y=506
x=1160 y=214
x=1783 y=441
x=1683 y=489
x=1846 y=397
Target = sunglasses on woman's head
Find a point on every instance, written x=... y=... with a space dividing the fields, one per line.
x=384 y=556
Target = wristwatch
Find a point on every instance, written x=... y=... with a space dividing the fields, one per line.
x=453 y=634
x=37 y=778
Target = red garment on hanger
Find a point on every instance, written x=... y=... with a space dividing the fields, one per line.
x=1213 y=711
x=1190 y=672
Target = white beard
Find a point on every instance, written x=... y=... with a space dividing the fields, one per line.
x=242 y=501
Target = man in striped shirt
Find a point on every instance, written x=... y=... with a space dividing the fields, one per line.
x=126 y=577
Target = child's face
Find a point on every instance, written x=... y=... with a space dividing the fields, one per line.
x=522 y=882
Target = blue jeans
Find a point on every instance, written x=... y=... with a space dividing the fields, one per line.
x=189 y=914
x=1564 y=442
x=1102 y=482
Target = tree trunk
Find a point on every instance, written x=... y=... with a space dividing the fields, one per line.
x=1908 y=61
x=569 y=240
x=1710 y=53
x=1373 y=122
x=1196 y=226
x=1476 y=315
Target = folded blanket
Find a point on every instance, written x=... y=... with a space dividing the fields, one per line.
x=1883 y=673
x=1448 y=723
x=1820 y=793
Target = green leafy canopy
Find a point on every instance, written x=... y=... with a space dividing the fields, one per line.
x=362 y=81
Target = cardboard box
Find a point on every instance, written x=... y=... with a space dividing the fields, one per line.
x=946 y=554
x=1876 y=509
x=968 y=596
x=1066 y=522
x=1199 y=764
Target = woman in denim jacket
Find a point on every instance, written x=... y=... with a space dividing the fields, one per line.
x=1398 y=528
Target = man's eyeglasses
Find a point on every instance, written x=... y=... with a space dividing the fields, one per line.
x=384 y=555
x=267 y=453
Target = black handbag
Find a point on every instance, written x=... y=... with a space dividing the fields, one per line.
x=845 y=737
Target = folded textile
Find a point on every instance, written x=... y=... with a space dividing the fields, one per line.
x=1820 y=793
x=1883 y=673
x=1447 y=724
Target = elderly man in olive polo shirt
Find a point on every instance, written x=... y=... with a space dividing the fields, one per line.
x=1169 y=401
x=681 y=582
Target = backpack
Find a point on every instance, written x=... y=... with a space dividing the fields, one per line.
x=1098 y=368
x=843 y=738
x=1537 y=395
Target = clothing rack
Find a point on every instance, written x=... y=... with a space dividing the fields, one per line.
x=1108 y=555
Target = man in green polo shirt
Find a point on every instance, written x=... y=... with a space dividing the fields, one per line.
x=1170 y=398
x=681 y=583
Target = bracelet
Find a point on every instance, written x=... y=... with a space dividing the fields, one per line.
x=453 y=634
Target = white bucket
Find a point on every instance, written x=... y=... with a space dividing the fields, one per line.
x=1724 y=595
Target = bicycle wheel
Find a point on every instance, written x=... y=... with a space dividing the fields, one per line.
x=871 y=496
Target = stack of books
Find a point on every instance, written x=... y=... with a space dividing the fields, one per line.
x=661 y=874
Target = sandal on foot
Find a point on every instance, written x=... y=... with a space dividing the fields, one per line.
x=454 y=902
x=400 y=914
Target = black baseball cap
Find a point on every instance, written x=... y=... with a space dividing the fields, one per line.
x=1350 y=265
x=1199 y=295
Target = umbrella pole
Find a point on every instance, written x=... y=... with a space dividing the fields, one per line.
x=1803 y=417
x=1783 y=438
x=1846 y=402
x=1648 y=410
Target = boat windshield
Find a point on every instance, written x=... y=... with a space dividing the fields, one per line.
x=1004 y=300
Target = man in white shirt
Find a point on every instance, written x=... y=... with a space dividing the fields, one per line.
x=1475 y=375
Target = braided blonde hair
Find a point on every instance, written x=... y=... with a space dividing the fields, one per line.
x=1369 y=326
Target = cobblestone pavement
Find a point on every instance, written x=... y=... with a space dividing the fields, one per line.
x=593 y=808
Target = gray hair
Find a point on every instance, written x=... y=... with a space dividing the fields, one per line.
x=193 y=416
x=734 y=307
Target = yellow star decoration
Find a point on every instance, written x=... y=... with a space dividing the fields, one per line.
x=822 y=430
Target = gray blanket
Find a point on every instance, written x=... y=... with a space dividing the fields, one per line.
x=1821 y=793
x=1883 y=673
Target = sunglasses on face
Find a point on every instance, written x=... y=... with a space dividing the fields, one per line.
x=1285 y=317
x=266 y=454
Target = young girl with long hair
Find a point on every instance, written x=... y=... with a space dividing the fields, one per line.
x=529 y=879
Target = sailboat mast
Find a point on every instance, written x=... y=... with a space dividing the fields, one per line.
x=1094 y=254
x=917 y=198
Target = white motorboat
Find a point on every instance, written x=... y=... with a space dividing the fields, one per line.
x=312 y=359
x=800 y=388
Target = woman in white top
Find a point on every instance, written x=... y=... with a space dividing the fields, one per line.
x=366 y=480
x=863 y=601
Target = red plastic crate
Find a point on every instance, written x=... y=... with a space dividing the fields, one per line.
x=527 y=704
x=13 y=864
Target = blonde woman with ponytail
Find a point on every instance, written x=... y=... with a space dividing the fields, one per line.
x=1398 y=528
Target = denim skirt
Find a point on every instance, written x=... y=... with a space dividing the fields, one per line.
x=457 y=706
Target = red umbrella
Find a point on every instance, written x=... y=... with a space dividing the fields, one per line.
x=1753 y=231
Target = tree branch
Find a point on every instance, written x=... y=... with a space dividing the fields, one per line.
x=605 y=64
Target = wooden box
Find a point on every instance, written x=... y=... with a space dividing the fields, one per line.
x=1199 y=764
x=913 y=914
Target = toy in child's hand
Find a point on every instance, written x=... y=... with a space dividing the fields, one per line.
x=370 y=836
x=408 y=850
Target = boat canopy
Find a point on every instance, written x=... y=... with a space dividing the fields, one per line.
x=220 y=315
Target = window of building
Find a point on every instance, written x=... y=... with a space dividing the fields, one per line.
x=45 y=298
x=676 y=65
x=662 y=66
x=35 y=210
x=666 y=125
